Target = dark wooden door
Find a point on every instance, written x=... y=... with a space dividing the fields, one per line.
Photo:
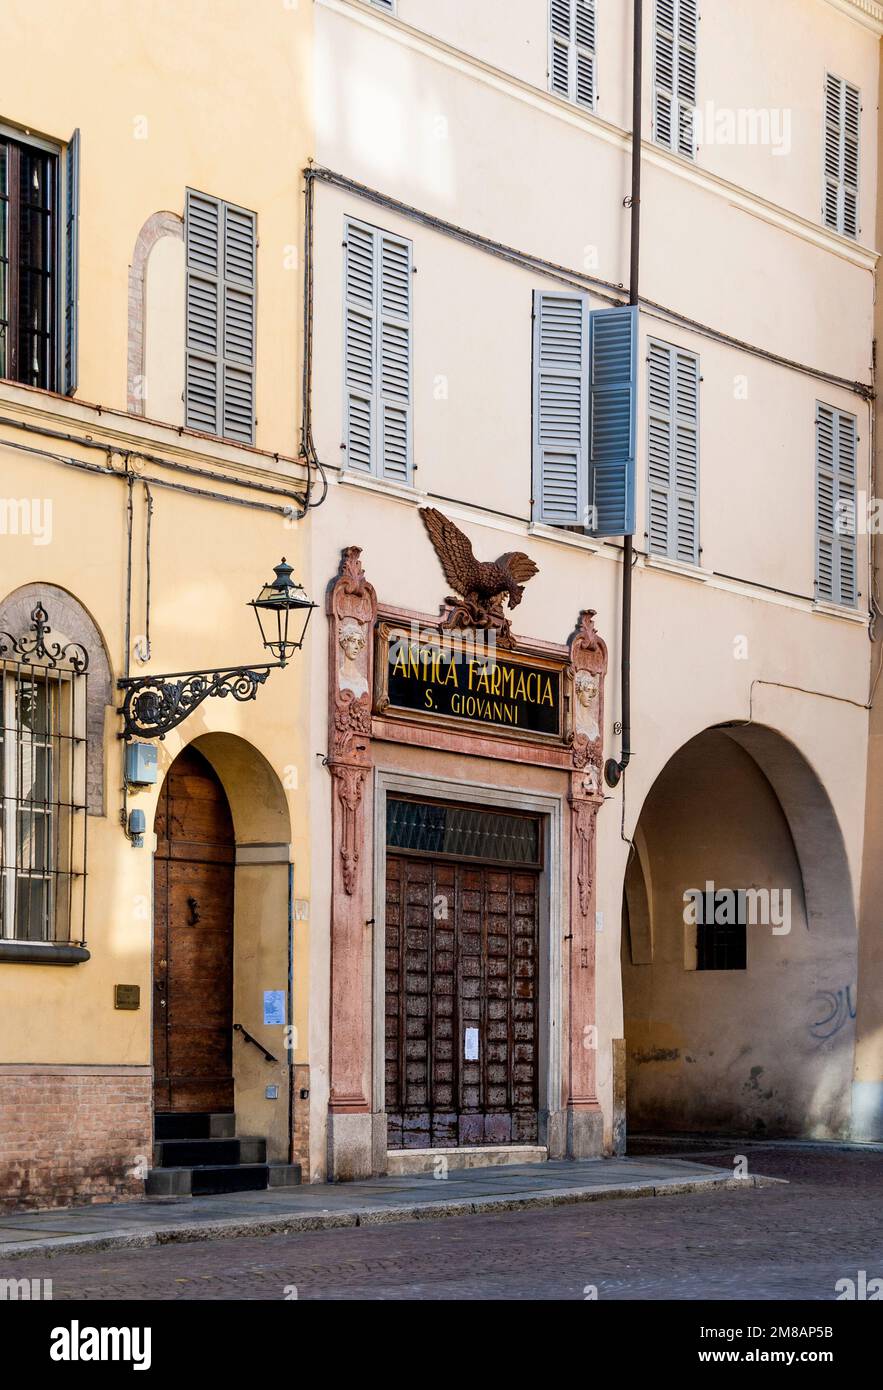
x=193 y=940
x=461 y=1004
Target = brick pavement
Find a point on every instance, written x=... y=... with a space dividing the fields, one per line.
x=774 y=1243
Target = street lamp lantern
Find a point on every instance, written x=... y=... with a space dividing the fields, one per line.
x=283 y=612
x=154 y=704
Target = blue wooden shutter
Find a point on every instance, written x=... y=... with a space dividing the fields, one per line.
x=71 y=262
x=674 y=74
x=842 y=128
x=221 y=253
x=836 y=450
x=394 y=348
x=673 y=453
x=572 y=50
x=560 y=408
x=613 y=405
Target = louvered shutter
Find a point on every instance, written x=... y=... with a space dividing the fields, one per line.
x=377 y=352
x=673 y=453
x=836 y=448
x=560 y=409
x=842 y=125
x=71 y=262
x=359 y=350
x=613 y=347
x=572 y=50
x=385 y=5
x=394 y=341
x=674 y=74
x=221 y=251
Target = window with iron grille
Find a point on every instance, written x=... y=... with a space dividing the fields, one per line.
x=43 y=778
x=28 y=263
x=721 y=934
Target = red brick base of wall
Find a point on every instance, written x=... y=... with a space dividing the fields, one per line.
x=70 y=1136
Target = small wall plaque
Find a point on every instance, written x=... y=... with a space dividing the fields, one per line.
x=470 y=1045
x=274 y=1006
x=127 y=996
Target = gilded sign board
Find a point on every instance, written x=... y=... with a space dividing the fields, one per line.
x=448 y=677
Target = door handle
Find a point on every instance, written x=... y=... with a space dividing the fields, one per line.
x=193 y=916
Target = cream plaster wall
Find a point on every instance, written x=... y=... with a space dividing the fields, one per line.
x=738 y=640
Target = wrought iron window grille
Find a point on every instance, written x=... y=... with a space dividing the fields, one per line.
x=43 y=760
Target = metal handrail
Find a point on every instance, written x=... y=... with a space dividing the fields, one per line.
x=238 y=1028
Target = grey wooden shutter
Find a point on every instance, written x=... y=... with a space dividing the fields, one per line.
x=377 y=352
x=560 y=409
x=360 y=290
x=842 y=126
x=71 y=262
x=673 y=453
x=613 y=346
x=572 y=50
x=221 y=252
x=836 y=449
x=674 y=74
x=394 y=347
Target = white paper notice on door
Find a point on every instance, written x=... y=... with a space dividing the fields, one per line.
x=470 y=1045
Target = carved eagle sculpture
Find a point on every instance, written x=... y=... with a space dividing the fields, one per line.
x=479 y=585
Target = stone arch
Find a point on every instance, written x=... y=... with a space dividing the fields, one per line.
x=263 y=945
x=158 y=225
x=769 y=1048
x=71 y=622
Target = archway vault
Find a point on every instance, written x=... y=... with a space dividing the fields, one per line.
x=763 y=1043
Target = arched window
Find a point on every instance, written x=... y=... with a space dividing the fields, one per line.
x=51 y=728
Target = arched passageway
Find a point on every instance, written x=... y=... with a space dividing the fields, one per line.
x=739 y=945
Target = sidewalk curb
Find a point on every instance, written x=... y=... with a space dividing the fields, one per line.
x=231 y=1228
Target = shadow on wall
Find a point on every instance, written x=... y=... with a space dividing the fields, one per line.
x=745 y=1031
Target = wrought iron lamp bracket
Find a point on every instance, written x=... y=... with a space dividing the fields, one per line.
x=153 y=705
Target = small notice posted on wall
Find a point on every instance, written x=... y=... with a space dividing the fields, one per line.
x=274 y=1006
x=470 y=1045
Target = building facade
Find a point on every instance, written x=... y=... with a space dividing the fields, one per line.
x=471 y=248
x=150 y=444
x=349 y=282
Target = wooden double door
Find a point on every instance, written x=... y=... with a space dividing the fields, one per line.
x=193 y=940
x=462 y=996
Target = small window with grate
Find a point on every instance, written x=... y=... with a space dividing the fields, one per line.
x=463 y=832
x=721 y=935
x=43 y=777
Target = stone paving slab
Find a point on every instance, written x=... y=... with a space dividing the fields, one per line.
x=380 y=1201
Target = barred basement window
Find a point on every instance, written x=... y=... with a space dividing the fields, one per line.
x=721 y=934
x=43 y=776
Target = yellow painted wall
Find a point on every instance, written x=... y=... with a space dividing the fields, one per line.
x=213 y=96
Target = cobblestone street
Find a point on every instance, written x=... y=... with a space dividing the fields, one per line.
x=772 y=1243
